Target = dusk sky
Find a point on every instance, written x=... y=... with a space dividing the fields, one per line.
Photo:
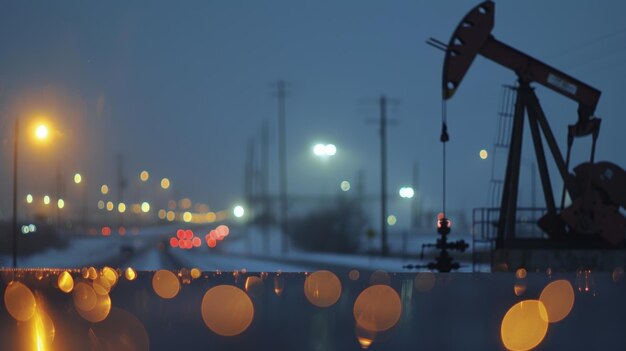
x=179 y=88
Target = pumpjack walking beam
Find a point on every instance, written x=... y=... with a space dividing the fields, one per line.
x=473 y=37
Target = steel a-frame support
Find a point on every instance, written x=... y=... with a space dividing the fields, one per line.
x=528 y=103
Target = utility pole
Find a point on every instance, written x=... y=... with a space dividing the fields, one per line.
x=265 y=169
x=383 y=121
x=383 y=176
x=282 y=164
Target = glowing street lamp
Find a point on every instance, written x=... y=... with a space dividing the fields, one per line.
x=238 y=211
x=78 y=178
x=406 y=192
x=42 y=132
x=324 y=150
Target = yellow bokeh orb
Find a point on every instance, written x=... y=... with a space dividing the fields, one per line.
x=92 y=273
x=483 y=154
x=253 y=285
x=144 y=176
x=162 y=214
x=195 y=273
x=130 y=274
x=19 y=301
x=524 y=325
x=519 y=288
x=377 y=308
x=227 y=310
x=558 y=298
x=101 y=286
x=99 y=312
x=65 y=282
x=165 y=183
x=104 y=189
x=171 y=216
x=84 y=297
x=110 y=275
x=322 y=288
x=165 y=284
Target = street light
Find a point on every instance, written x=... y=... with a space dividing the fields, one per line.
x=238 y=211
x=324 y=150
x=406 y=192
x=41 y=133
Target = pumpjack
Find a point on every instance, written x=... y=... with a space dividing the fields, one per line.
x=597 y=189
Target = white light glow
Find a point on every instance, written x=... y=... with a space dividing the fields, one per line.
x=238 y=211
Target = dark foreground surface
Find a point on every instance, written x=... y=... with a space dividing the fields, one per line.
x=104 y=310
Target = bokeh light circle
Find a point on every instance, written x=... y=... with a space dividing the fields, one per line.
x=227 y=310
x=322 y=288
x=19 y=301
x=195 y=273
x=165 y=284
x=253 y=285
x=65 y=282
x=110 y=275
x=377 y=308
x=130 y=274
x=524 y=325
x=99 y=312
x=84 y=297
x=558 y=298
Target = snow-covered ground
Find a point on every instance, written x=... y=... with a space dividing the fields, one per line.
x=243 y=248
x=87 y=250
